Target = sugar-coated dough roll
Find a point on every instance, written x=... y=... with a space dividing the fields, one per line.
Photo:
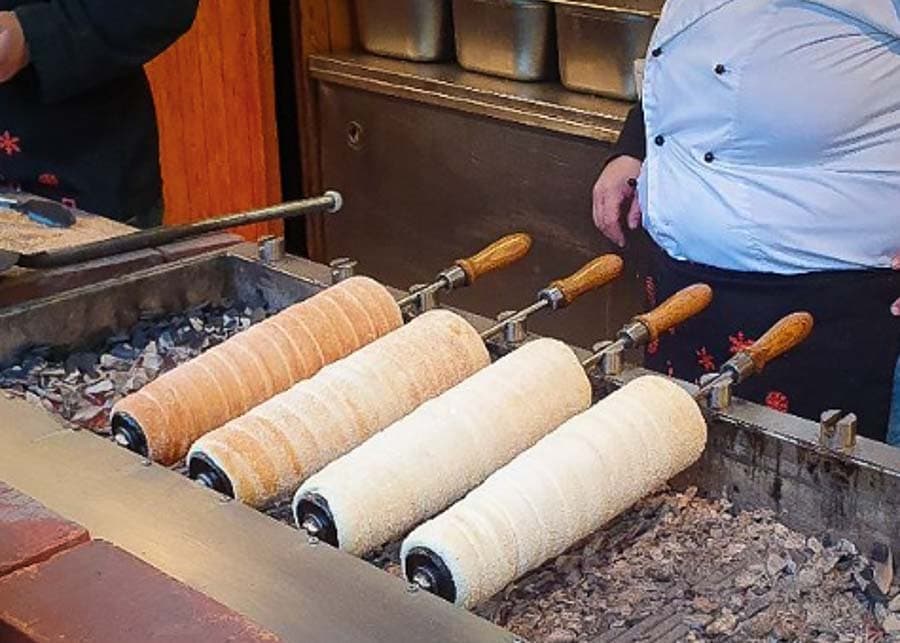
x=565 y=487
x=421 y=464
x=269 y=451
x=229 y=379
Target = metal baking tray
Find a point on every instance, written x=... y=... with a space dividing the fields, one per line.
x=509 y=38
x=417 y=30
x=599 y=43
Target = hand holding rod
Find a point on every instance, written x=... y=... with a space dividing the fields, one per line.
x=787 y=333
x=143 y=239
x=562 y=292
x=645 y=328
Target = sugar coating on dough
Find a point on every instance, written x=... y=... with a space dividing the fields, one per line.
x=565 y=487
x=229 y=379
x=269 y=451
x=430 y=458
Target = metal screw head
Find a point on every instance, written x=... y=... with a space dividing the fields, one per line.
x=223 y=499
x=412 y=588
x=313 y=540
x=145 y=462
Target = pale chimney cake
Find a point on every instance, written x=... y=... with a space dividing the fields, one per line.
x=247 y=369
x=429 y=459
x=267 y=453
x=562 y=489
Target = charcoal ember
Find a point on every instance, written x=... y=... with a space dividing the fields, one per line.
x=894 y=605
x=891 y=625
x=562 y=636
x=82 y=386
x=99 y=388
x=125 y=352
x=723 y=625
x=13 y=375
x=111 y=362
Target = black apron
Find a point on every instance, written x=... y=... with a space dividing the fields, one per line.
x=847 y=363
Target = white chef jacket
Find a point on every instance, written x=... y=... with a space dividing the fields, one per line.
x=773 y=134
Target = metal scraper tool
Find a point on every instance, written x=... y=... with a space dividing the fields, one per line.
x=42 y=211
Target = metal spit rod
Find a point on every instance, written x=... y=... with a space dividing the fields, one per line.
x=464 y=272
x=784 y=335
x=562 y=292
x=646 y=328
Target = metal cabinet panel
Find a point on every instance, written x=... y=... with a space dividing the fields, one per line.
x=424 y=185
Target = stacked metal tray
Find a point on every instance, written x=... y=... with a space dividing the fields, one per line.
x=599 y=42
x=416 y=30
x=590 y=45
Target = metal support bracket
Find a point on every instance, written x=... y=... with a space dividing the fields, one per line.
x=837 y=431
x=342 y=268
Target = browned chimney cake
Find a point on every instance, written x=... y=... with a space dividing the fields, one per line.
x=432 y=457
x=270 y=450
x=233 y=377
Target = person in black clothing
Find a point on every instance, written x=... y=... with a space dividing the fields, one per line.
x=77 y=121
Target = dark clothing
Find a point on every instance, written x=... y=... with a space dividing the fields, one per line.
x=846 y=363
x=78 y=124
x=633 y=137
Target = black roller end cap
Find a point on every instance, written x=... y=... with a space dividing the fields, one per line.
x=422 y=562
x=313 y=509
x=128 y=433
x=202 y=469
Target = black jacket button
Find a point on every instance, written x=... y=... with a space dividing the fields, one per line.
x=709 y=157
x=720 y=69
x=656 y=53
x=659 y=140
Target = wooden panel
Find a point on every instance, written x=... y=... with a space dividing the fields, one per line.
x=323 y=26
x=215 y=98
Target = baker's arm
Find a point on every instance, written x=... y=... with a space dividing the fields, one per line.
x=76 y=45
x=614 y=191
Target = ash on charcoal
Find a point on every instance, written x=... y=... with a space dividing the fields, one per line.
x=81 y=387
x=686 y=568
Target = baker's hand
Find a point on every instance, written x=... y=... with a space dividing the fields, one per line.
x=896 y=307
x=613 y=192
x=13 y=49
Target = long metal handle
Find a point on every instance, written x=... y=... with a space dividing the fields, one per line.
x=499 y=254
x=141 y=240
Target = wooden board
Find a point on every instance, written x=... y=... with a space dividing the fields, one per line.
x=20 y=234
x=215 y=100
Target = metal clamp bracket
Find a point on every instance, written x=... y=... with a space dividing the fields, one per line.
x=718 y=397
x=270 y=249
x=837 y=431
x=342 y=268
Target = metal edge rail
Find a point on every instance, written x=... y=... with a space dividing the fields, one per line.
x=543 y=105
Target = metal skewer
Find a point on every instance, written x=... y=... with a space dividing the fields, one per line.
x=464 y=272
x=646 y=328
x=787 y=333
x=562 y=292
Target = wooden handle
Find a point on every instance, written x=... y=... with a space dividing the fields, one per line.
x=499 y=254
x=597 y=273
x=787 y=333
x=683 y=305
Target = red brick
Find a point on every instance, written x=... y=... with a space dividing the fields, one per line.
x=31 y=533
x=98 y=592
